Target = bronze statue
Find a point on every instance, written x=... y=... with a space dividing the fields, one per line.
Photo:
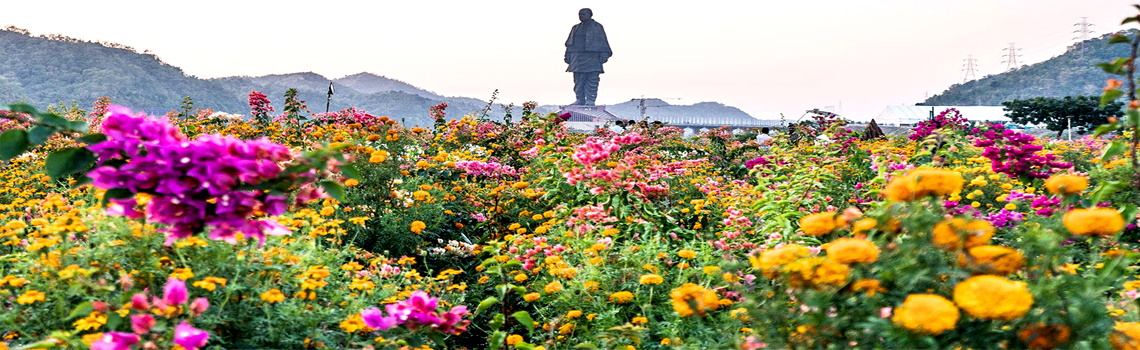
x=586 y=50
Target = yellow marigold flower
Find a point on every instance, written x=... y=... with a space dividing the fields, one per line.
x=690 y=295
x=711 y=269
x=591 y=317
x=1125 y=336
x=687 y=254
x=1066 y=184
x=869 y=286
x=182 y=274
x=93 y=320
x=30 y=297
x=651 y=279
x=530 y=297
x=273 y=296
x=640 y=320
x=818 y=224
x=1132 y=285
x=210 y=283
x=817 y=271
x=621 y=297
x=1096 y=221
x=352 y=266
x=729 y=277
x=514 y=339
x=351 y=183
x=591 y=286
x=993 y=298
x=13 y=281
x=574 y=314
x=418 y=227
x=354 y=323
x=923 y=182
x=948 y=234
x=1042 y=336
x=864 y=225
x=992 y=259
x=926 y=313
x=772 y=258
x=852 y=250
x=552 y=287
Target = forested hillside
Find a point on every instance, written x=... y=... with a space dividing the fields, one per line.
x=1072 y=73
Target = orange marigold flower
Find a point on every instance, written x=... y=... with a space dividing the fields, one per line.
x=992 y=259
x=993 y=298
x=852 y=250
x=690 y=295
x=552 y=287
x=1125 y=336
x=1042 y=336
x=621 y=296
x=418 y=227
x=687 y=254
x=772 y=258
x=1066 y=184
x=869 y=286
x=948 y=234
x=926 y=313
x=818 y=224
x=923 y=182
x=651 y=279
x=1095 y=221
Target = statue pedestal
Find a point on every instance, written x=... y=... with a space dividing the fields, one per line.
x=591 y=114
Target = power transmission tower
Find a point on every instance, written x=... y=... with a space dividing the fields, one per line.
x=1083 y=33
x=1011 y=56
x=970 y=69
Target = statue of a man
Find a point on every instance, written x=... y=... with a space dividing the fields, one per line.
x=586 y=49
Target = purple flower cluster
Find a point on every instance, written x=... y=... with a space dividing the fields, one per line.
x=488 y=169
x=173 y=298
x=192 y=183
x=1005 y=218
x=1046 y=205
x=950 y=117
x=1014 y=154
x=416 y=312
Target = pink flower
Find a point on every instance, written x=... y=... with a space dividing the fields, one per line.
x=189 y=337
x=198 y=306
x=175 y=292
x=885 y=312
x=138 y=302
x=142 y=324
x=375 y=318
x=115 y=341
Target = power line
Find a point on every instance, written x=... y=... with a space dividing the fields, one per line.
x=1011 y=56
x=970 y=69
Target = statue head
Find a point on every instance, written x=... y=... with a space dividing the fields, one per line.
x=585 y=14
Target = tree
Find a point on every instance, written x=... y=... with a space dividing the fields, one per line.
x=1084 y=112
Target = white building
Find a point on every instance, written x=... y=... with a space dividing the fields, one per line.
x=909 y=115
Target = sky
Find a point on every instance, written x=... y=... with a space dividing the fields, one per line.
x=765 y=57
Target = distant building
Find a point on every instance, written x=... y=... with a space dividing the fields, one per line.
x=909 y=115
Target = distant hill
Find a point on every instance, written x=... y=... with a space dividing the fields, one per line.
x=46 y=69
x=659 y=110
x=1072 y=73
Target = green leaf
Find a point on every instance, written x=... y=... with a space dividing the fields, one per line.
x=39 y=134
x=524 y=318
x=497 y=321
x=67 y=161
x=1105 y=188
x=81 y=310
x=13 y=143
x=1105 y=128
x=1119 y=39
x=437 y=338
x=486 y=303
x=116 y=193
x=78 y=126
x=22 y=108
x=524 y=346
x=1114 y=149
x=334 y=189
x=54 y=120
x=113 y=320
x=497 y=339
x=586 y=346
x=92 y=139
x=349 y=171
x=1109 y=96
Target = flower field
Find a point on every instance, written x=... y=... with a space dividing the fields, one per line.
x=200 y=229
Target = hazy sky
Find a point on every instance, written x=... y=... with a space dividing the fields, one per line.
x=765 y=57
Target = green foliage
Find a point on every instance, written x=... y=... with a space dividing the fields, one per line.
x=1085 y=112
